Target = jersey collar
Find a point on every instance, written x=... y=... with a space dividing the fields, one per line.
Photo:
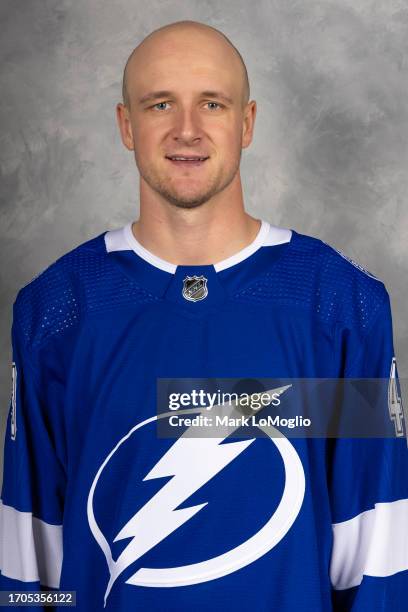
x=123 y=239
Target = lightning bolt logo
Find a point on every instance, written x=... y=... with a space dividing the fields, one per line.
x=192 y=462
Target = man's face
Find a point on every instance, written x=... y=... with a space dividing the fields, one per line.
x=189 y=120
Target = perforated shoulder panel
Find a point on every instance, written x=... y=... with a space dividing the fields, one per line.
x=314 y=276
x=83 y=280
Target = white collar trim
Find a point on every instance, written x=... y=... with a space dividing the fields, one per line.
x=123 y=239
x=144 y=253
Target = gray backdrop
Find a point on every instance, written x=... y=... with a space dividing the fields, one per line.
x=330 y=151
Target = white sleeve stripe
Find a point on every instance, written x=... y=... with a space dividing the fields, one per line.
x=374 y=543
x=30 y=549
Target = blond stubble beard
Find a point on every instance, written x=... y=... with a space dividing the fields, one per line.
x=161 y=187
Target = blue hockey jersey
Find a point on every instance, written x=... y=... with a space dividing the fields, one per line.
x=95 y=502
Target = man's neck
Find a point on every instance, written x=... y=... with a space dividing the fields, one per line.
x=195 y=237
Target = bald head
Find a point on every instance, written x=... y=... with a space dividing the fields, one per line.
x=185 y=31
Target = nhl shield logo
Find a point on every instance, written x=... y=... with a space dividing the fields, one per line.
x=195 y=288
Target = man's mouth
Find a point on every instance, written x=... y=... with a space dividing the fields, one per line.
x=187 y=160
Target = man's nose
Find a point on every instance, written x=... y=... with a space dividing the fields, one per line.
x=187 y=124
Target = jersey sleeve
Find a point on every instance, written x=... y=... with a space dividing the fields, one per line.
x=368 y=485
x=34 y=478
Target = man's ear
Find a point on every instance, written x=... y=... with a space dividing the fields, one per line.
x=125 y=127
x=248 y=123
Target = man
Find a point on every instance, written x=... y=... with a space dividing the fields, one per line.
x=94 y=501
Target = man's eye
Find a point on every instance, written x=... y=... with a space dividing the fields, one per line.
x=158 y=104
x=216 y=103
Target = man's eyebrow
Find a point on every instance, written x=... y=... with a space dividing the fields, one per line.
x=217 y=94
x=155 y=95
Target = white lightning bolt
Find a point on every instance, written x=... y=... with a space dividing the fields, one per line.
x=192 y=462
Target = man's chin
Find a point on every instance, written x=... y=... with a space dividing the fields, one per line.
x=187 y=204
x=192 y=201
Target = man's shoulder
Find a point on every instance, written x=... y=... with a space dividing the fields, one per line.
x=338 y=282
x=67 y=266
x=330 y=260
x=310 y=276
x=53 y=300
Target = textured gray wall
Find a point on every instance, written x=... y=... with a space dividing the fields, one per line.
x=330 y=151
